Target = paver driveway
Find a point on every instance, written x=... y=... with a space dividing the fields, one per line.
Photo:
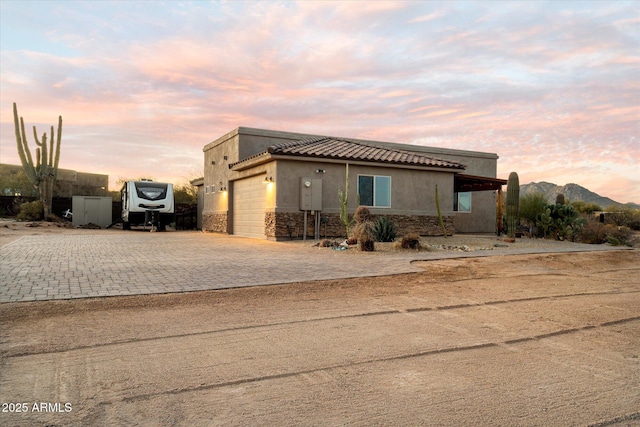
x=111 y=262
x=119 y=263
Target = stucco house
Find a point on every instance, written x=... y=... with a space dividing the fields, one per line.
x=282 y=185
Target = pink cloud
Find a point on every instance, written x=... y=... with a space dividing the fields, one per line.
x=557 y=99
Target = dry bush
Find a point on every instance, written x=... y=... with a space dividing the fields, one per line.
x=362 y=214
x=618 y=236
x=593 y=233
x=410 y=241
x=597 y=233
x=363 y=232
x=31 y=211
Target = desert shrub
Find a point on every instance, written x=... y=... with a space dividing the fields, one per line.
x=624 y=216
x=363 y=232
x=31 y=211
x=598 y=233
x=362 y=214
x=592 y=233
x=53 y=218
x=410 y=241
x=326 y=243
x=618 y=235
x=384 y=230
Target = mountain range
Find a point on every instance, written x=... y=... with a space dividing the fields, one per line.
x=573 y=192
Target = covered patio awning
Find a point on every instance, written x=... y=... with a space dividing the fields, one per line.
x=463 y=183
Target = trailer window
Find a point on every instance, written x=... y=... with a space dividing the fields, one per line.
x=151 y=191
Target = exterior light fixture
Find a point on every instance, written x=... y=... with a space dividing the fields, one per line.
x=320 y=171
x=267 y=180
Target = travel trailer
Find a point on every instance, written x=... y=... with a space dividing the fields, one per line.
x=147 y=203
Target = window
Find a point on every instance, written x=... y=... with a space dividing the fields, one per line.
x=462 y=202
x=374 y=191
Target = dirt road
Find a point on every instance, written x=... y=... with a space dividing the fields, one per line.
x=521 y=340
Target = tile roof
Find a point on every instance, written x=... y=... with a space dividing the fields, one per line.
x=344 y=149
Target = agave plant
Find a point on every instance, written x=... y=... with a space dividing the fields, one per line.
x=384 y=230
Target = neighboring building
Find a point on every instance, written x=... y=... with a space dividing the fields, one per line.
x=262 y=183
x=68 y=184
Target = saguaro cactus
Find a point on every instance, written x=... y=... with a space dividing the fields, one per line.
x=44 y=172
x=513 y=203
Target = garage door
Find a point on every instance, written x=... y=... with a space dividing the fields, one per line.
x=249 y=205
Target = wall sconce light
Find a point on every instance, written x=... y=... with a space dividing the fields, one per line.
x=222 y=187
x=267 y=180
x=320 y=171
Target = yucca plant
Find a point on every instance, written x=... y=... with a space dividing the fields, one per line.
x=384 y=230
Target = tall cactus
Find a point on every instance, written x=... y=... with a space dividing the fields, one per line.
x=513 y=203
x=444 y=229
x=343 y=197
x=44 y=172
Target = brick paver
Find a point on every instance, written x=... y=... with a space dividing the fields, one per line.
x=61 y=266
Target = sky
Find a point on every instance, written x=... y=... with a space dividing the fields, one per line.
x=552 y=87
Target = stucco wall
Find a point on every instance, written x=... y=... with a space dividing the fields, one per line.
x=481 y=219
x=412 y=191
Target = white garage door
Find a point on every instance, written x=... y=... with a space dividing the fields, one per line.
x=249 y=203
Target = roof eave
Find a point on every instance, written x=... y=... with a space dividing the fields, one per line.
x=269 y=157
x=257 y=160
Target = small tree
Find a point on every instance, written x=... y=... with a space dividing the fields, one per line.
x=43 y=173
x=532 y=205
x=586 y=208
x=14 y=182
x=185 y=194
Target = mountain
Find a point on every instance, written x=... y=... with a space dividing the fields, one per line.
x=573 y=192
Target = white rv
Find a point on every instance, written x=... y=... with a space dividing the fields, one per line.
x=147 y=203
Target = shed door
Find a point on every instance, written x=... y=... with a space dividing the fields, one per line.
x=249 y=204
x=92 y=212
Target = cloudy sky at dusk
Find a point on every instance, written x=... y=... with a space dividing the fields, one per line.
x=552 y=87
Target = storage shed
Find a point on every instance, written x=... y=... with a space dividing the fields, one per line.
x=91 y=210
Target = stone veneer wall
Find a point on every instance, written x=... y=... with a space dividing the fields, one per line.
x=285 y=225
x=216 y=223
